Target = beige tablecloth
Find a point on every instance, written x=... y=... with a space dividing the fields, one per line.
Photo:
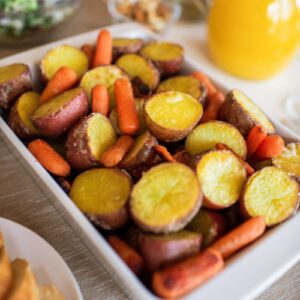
x=22 y=201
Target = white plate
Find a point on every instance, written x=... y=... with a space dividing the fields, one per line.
x=246 y=274
x=46 y=263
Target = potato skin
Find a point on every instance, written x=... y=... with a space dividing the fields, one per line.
x=13 y=88
x=59 y=122
x=133 y=47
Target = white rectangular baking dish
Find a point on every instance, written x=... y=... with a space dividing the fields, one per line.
x=245 y=276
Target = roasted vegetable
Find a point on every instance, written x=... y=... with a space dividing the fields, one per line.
x=167 y=57
x=242 y=113
x=6 y=274
x=171 y=116
x=56 y=116
x=272 y=194
x=222 y=177
x=166 y=198
x=64 y=56
x=102 y=194
x=88 y=140
x=19 y=118
x=125 y=45
x=15 y=79
x=205 y=137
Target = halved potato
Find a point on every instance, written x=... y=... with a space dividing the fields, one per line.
x=126 y=45
x=161 y=250
x=64 y=56
x=168 y=57
x=88 y=140
x=171 y=116
x=102 y=195
x=19 y=117
x=137 y=66
x=106 y=75
x=222 y=178
x=185 y=84
x=272 y=194
x=205 y=137
x=166 y=198
x=6 y=274
x=242 y=112
x=289 y=159
x=56 y=116
x=15 y=79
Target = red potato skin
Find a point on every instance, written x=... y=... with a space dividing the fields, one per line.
x=132 y=48
x=207 y=203
x=13 y=88
x=58 y=123
x=186 y=158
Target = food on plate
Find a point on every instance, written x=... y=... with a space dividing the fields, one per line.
x=201 y=77
x=270 y=147
x=49 y=158
x=64 y=183
x=137 y=66
x=289 y=159
x=167 y=57
x=132 y=236
x=100 y=99
x=50 y=292
x=254 y=138
x=222 y=177
x=171 y=116
x=205 y=136
x=184 y=276
x=6 y=274
x=241 y=112
x=213 y=107
x=64 y=56
x=240 y=236
x=272 y=194
x=186 y=158
x=55 y=117
x=163 y=152
x=185 y=84
x=126 y=108
x=126 y=45
x=103 y=51
x=116 y=152
x=19 y=117
x=210 y=224
x=132 y=259
x=87 y=140
x=63 y=79
x=166 y=198
x=89 y=51
x=102 y=195
x=161 y=250
x=15 y=79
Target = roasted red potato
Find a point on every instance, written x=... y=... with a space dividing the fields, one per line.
x=124 y=46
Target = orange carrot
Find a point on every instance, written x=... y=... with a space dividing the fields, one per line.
x=248 y=168
x=271 y=146
x=133 y=260
x=255 y=137
x=103 y=52
x=126 y=108
x=212 y=110
x=115 y=153
x=182 y=277
x=211 y=89
x=100 y=99
x=49 y=158
x=63 y=79
x=164 y=153
x=89 y=51
x=241 y=236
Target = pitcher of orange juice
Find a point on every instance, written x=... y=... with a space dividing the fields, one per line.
x=254 y=39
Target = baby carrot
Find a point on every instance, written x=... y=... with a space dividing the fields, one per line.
x=89 y=51
x=114 y=154
x=164 y=153
x=100 y=99
x=49 y=158
x=103 y=52
x=211 y=89
x=63 y=79
x=212 y=110
x=182 y=277
x=255 y=137
x=271 y=146
x=126 y=108
x=133 y=260
x=248 y=168
x=241 y=236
